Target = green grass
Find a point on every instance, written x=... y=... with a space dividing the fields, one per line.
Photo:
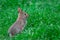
x=43 y=21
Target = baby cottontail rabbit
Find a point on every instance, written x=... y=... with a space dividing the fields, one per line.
x=18 y=26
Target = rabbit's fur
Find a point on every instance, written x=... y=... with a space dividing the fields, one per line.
x=18 y=26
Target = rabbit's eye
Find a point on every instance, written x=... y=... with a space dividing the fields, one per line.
x=25 y=14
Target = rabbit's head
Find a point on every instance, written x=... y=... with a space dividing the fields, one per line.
x=22 y=14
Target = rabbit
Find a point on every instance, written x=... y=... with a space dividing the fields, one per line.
x=19 y=24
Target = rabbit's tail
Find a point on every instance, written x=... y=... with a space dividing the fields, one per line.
x=9 y=36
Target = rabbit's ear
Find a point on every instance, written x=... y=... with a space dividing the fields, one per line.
x=19 y=11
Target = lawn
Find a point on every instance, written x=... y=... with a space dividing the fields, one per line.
x=43 y=22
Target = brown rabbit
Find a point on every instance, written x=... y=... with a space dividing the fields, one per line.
x=18 y=26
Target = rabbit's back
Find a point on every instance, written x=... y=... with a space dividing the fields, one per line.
x=14 y=29
x=17 y=27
